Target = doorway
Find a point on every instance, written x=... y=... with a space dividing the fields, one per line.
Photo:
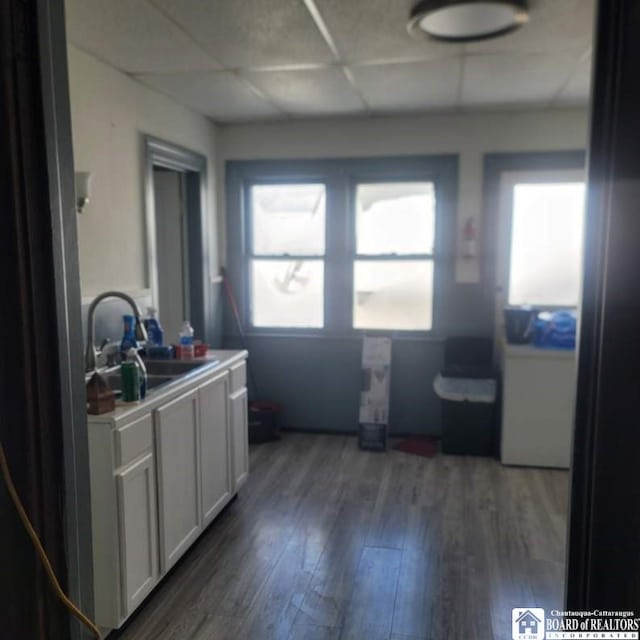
x=177 y=237
x=172 y=249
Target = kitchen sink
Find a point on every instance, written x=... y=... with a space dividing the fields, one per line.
x=159 y=373
x=153 y=382
x=174 y=367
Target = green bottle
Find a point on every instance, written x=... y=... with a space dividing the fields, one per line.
x=130 y=381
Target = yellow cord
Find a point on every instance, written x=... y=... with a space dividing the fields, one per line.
x=41 y=552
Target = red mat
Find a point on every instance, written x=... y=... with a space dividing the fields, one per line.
x=419 y=445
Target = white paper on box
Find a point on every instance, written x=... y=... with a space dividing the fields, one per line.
x=376 y=376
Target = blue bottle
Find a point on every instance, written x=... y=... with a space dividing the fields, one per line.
x=129 y=336
x=152 y=325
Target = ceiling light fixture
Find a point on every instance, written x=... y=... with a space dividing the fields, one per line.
x=466 y=20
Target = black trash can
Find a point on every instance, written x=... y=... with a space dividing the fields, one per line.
x=468 y=388
x=263 y=421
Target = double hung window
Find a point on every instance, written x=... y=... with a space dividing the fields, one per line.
x=287 y=247
x=393 y=264
x=336 y=246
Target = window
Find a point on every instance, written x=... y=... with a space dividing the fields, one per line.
x=545 y=264
x=286 y=260
x=335 y=247
x=393 y=265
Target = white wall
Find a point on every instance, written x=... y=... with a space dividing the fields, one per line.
x=110 y=113
x=469 y=135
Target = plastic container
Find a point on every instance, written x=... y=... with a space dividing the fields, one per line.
x=152 y=325
x=187 y=350
x=468 y=389
x=200 y=349
x=519 y=324
x=555 y=330
x=469 y=428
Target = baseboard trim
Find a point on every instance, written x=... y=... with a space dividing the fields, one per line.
x=353 y=432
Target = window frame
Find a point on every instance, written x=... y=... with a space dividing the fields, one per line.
x=250 y=256
x=512 y=179
x=339 y=175
x=495 y=165
x=425 y=257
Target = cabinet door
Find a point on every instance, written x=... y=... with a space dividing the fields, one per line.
x=537 y=414
x=214 y=447
x=138 y=532
x=176 y=425
x=240 y=438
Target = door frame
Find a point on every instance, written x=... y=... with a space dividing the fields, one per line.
x=603 y=563
x=508 y=181
x=43 y=422
x=163 y=154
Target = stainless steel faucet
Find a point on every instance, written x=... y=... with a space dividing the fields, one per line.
x=91 y=352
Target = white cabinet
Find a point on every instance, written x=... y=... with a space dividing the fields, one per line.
x=239 y=423
x=138 y=530
x=123 y=514
x=215 y=447
x=176 y=428
x=537 y=406
x=161 y=470
x=240 y=438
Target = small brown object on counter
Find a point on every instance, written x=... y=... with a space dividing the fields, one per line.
x=100 y=397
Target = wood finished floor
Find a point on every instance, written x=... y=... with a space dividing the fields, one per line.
x=328 y=542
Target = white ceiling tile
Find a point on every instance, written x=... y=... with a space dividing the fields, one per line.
x=308 y=92
x=376 y=30
x=578 y=87
x=133 y=36
x=219 y=94
x=505 y=80
x=251 y=33
x=277 y=46
x=410 y=86
x=554 y=25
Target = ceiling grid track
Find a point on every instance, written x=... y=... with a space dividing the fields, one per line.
x=463 y=65
x=570 y=75
x=180 y=28
x=235 y=72
x=321 y=25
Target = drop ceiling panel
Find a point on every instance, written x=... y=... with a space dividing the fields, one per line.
x=512 y=80
x=376 y=30
x=132 y=36
x=554 y=25
x=251 y=33
x=577 y=89
x=220 y=95
x=276 y=46
x=308 y=92
x=410 y=86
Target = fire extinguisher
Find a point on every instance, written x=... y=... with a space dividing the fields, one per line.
x=469 y=238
